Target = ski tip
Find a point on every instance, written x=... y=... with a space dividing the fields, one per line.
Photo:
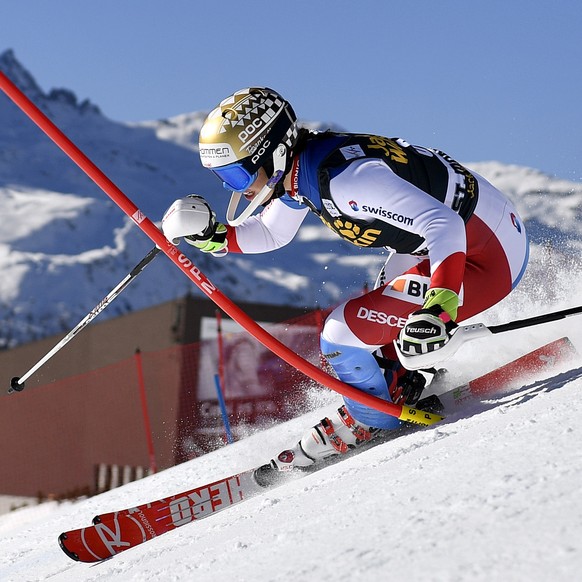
x=568 y=345
x=72 y=555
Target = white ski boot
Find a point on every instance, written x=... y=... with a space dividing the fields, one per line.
x=326 y=439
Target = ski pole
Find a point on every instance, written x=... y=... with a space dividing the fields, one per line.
x=547 y=318
x=17 y=383
x=402 y=412
x=465 y=333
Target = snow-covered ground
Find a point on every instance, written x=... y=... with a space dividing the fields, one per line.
x=490 y=494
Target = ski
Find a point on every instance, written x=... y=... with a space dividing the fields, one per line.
x=115 y=532
x=500 y=379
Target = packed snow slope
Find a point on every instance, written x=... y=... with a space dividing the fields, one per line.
x=63 y=234
x=492 y=494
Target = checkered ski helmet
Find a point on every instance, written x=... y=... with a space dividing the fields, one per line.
x=247 y=128
x=253 y=128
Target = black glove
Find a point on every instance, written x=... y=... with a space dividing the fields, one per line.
x=409 y=388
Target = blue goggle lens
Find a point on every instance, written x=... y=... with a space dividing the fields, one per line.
x=235 y=177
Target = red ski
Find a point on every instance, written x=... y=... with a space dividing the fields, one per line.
x=112 y=533
x=501 y=378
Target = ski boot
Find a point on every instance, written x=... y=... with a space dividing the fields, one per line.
x=328 y=438
x=407 y=386
x=325 y=440
x=432 y=378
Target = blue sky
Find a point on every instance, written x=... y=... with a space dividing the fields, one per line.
x=482 y=80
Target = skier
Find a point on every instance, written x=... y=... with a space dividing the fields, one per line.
x=457 y=245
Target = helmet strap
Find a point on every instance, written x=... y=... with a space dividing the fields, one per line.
x=279 y=167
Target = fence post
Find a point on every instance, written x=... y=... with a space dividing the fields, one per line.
x=144 y=409
x=220 y=342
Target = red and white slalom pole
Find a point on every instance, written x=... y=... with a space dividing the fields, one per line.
x=181 y=261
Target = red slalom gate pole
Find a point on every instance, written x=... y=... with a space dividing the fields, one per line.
x=181 y=261
x=145 y=413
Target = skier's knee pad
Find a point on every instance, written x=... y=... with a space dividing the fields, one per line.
x=358 y=368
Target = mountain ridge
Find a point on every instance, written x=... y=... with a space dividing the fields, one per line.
x=66 y=244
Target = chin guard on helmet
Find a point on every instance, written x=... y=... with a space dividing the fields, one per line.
x=279 y=167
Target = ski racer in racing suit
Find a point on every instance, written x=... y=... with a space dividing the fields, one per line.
x=456 y=244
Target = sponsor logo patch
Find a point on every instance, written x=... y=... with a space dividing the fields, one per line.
x=351 y=152
x=380 y=317
x=388 y=214
x=218 y=154
x=286 y=457
x=331 y=208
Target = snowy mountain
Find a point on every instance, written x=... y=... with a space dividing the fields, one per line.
x=63 y=235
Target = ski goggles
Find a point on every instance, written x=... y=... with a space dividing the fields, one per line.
x=235 y=177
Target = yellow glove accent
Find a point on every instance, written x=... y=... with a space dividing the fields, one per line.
x=447 y=299
x=214 y=244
